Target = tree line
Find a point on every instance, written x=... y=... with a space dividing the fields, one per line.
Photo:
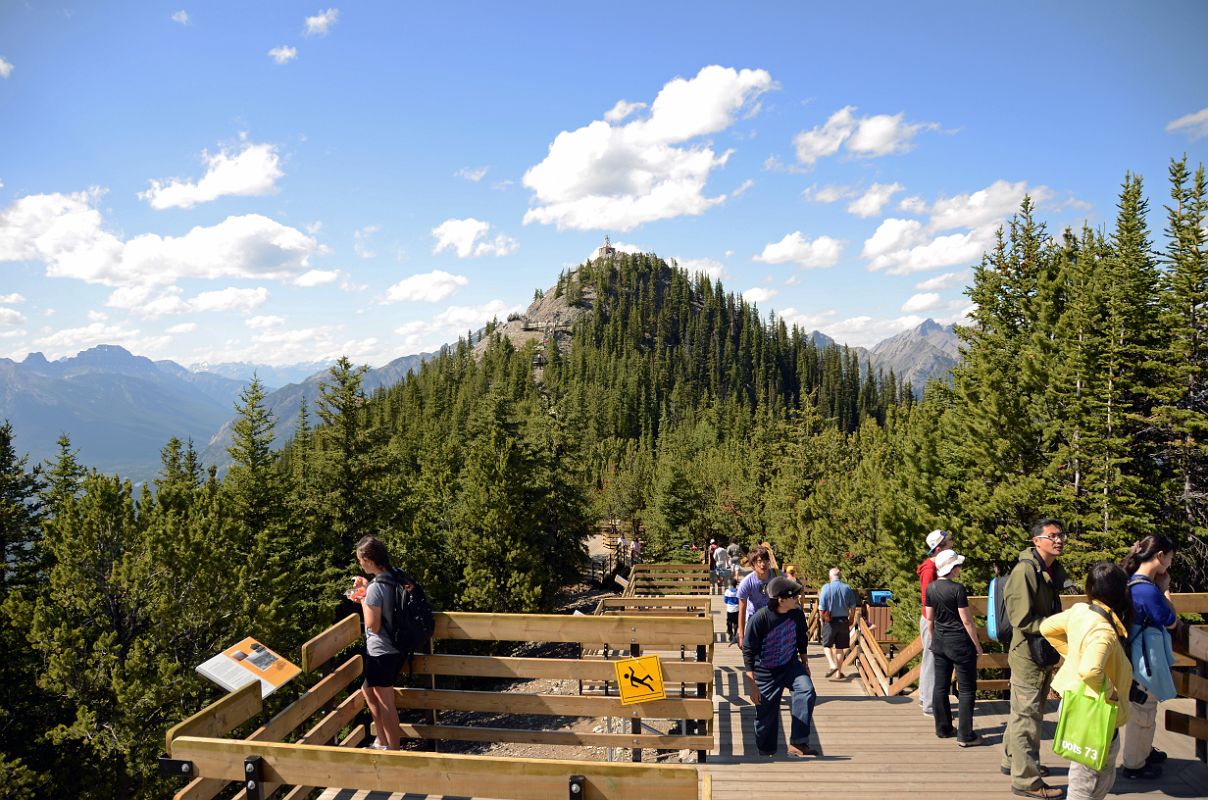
x=671 y=406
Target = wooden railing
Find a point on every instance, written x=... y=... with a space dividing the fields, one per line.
x=202 y=748
x=889 y=677
x=1193 y=684
x=664 y=579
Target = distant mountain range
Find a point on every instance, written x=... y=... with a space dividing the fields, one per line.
x=119 y=409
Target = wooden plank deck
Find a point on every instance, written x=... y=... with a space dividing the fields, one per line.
x=885 y=748
x=875 y=748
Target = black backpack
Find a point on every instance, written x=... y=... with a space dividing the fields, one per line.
x=410 y=623
x=998 y=624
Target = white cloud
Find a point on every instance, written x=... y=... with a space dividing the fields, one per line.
x=321 y=23
x=472 y=174
x=621 y=110
x=944 y=281
x=990 y=205
x=15 y=333
x=1194 y=125
x=12 y=299
x=182 y=328
x=707 y=266
x=360 y=241
x=64 y=231
x=455 y=321
x=11 y=316
x=181 y=17
x=430 y=287
x=619 y=176
x=230 y=299
x=148 y=302
x=251 y=172
x=283 y=54
x=863 y=137
x=265 y=322
x=70 y=341
x=883 y=134
x=758 y=295
x=462 y=237
x=316 y=277
x=6 y=68
x=906 y=246
x=828 y=194
x=913 y=205
x=873 y=200
x=826 y=139
x=821 y=252
x=918 y=303
x=742 y=188
x=97 y=316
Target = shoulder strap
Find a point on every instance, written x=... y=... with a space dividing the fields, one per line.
x=1107 y=616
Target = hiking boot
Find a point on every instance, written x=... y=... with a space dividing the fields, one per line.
x=1043 y=791
x=1155 y=756
x=800 y=750
x=1146 y=772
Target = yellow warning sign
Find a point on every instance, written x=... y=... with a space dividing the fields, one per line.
x=640 y=680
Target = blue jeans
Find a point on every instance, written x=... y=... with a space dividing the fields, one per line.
x=772 y=684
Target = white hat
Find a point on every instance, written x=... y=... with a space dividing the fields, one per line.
x=946 y=560
x=934 y=539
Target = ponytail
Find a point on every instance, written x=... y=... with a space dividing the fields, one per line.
x=1144 y=550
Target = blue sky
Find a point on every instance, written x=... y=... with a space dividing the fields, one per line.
x=283 y=182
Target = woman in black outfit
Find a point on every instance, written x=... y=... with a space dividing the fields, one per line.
x=955 y=645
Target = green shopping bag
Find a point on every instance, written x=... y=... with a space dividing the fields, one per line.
x=1085 y=727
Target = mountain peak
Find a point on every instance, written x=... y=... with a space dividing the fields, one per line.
x=929 y=326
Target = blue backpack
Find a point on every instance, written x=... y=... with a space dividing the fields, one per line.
x=998 y=624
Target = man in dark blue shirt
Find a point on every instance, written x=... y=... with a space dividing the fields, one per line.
x=773 y=651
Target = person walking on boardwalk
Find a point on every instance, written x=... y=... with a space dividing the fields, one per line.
x=1032 y=593
x=722 y=570
x=753 y=591
x=383 y=660
x=773 y=652
x=954 y=642
x=1148 y=563
x=834 y=603
x=1091 y=637
x=937 y=542
x=731 y=600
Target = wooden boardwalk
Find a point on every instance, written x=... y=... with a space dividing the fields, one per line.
x=885 y=748
x=876 y=748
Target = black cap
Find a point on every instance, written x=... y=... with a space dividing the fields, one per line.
x=781 y=586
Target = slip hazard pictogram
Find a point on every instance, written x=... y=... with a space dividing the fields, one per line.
x=640 y=680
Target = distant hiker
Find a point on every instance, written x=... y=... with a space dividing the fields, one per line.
x=953 y=637
x=383 y=659
x=773 y=652
x=731 y=600
x=834 y=604
x=722 y=570
x=937 y=542
x=753 y=591
x=1148 y=562
x=635 y=549
x=1032 y=593
x=1091 y=636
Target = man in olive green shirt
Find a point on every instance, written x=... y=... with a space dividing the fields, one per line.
x=1032 y=593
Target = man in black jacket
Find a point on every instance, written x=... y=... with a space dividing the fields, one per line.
x=773 y=650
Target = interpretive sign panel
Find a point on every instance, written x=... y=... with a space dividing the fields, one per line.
x=246 y=662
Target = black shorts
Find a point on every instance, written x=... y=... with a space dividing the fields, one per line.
x=382 y=670
x=835 y=633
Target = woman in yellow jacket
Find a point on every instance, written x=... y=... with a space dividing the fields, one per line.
x=1090 y=635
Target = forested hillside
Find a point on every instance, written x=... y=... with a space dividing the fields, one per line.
x=670 y=404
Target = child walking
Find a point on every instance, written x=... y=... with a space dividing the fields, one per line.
x=730 y=597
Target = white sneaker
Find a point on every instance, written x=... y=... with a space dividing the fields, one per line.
x=377 y=746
